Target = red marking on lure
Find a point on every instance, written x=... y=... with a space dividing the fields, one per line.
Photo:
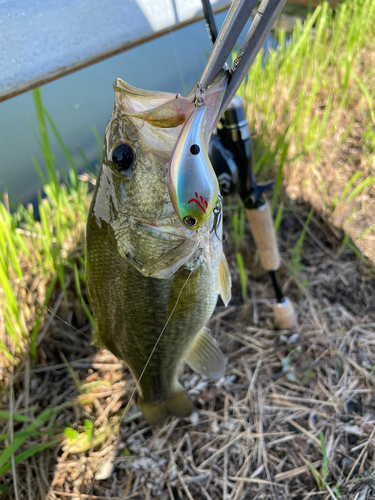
x=197 y=202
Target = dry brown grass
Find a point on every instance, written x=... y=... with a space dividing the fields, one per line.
x=253 y=432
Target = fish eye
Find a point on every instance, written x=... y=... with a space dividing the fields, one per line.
x=123 y=159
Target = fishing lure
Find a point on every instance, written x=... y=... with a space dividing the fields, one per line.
x=192 y=182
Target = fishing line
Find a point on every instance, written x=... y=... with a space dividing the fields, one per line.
x=200 y=250
x=161 y=333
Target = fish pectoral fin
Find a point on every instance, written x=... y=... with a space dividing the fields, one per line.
x=179 y=405
x=205 y=357
x=225 y=280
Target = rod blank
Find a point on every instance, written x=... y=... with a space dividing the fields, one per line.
x=259 y=30
x=237 y=16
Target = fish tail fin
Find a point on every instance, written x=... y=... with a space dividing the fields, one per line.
x=179 y=405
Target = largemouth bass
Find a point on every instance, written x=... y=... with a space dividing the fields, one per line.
x=152 y=282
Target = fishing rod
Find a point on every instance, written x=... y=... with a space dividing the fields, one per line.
x=230 y=147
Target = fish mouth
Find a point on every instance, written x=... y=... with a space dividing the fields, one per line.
x=176 y=245
x=167 y=228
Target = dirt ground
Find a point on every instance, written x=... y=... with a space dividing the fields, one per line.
x=253 y=433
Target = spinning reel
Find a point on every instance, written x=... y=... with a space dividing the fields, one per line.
x=230 y=155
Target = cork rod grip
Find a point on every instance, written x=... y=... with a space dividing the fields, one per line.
x=261 y=224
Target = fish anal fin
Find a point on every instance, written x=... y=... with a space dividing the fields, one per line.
x=179 y=405
x=225 y=280
x=205 y=356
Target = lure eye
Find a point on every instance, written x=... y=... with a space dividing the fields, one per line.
x=190 y=222
x=123 y=159
x=195 y=149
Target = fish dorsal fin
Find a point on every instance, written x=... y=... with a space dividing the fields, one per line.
x=136 y=100
x=160 y=109
x=170 y=114
x=205 y=357
x=225 y=280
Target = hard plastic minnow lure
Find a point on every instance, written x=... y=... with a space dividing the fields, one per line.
x=193 y=186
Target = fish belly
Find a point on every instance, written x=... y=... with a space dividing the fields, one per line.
x=149 y=323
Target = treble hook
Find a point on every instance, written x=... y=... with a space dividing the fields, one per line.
x=217 y=218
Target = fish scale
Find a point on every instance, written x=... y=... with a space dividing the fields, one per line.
x=152 y=299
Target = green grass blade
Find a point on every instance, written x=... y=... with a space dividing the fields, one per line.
x=366 y=93
x=47 y=153
x=18 y=418
x=297 y=248
x=86 y=161
x=27 y=454
x=325 y=467
x=278 y=217
x=34 y=332
x=6 y=454
x=39 y=170
x=65 y=149
x=315 y=473
x=242 y=273
x=97 y=137
x=86 y=309
x=279 y=178
x=361 y=186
